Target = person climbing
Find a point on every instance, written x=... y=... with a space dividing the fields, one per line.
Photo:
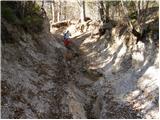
x=67 y=38
x=68 y=43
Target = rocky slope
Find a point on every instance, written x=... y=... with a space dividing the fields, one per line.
x=37 y=80
x=130 y=73
x=111 y=78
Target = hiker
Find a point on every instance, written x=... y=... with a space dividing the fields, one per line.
x=66 y=39
x=68 y=43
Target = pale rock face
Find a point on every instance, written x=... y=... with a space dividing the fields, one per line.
x=132 y=72
x=76 y=108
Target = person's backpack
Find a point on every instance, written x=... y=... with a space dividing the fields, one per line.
x=65 y=36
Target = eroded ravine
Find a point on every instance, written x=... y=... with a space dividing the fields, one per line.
x=97 y=105
x=41 y=82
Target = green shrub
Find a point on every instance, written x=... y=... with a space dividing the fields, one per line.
x=31 y=19
x=8 y=14
x=38 y=21
x=33 y=23
x=27 y=20
x=133 y=15
x=36 y=8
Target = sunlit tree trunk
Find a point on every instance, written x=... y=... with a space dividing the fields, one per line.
x=59 y=11
x=53 y=11
x=82 y=11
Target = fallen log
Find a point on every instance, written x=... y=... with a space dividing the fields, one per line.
x=60 y=24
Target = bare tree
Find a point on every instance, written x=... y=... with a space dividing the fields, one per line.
x=23 y=7
x=82 y=9
x=126 y=14
x=53 y=10
x=65 y=9
x=107 y=10
x=141 y=8
x=42 y=6
x=101 y=10
x=104 y=10
x=59 y=11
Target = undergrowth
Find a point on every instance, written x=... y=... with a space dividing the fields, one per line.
x=28 y=17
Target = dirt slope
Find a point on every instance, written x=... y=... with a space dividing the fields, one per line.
x=106 y=81
x=130 y=69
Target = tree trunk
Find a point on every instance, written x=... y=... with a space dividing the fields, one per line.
x=65 y=10
x=141 y=4
x=59 y=11
x=138 y=10
x=53 y=11
x=126 y=14
x=133 y=30
x=144 y=14
x=42 y=4
x=60 y=24
x=23 y=4
x=107 y=11
x=83 y=11
x=101 y=10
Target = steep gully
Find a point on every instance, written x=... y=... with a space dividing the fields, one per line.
x=75 y=75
